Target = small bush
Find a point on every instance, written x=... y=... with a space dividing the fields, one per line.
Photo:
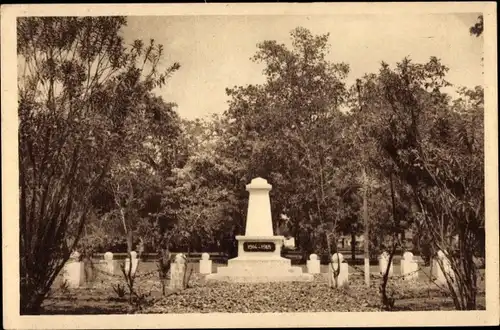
x=119 y=289
x=64 y=286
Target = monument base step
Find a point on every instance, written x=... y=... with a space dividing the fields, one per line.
x=247 y=266
x=248 y=269
x=260 y=278
x=264 y=264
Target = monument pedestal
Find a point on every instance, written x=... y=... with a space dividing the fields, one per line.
x=259 y=251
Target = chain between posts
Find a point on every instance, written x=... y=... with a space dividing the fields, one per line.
x=139 y=275
x=358 y=269
x=420 y=269
x=136 y=275
x=380 y=275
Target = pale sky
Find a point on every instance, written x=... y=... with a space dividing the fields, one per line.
x=214 y=51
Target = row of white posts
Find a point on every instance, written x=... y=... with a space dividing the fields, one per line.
x=74 y=269
x=74 y=272
x=409 y=267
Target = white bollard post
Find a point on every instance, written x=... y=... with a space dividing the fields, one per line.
x=110 y=266
x=409 y=267
x=74 y=271
x=135 y=262
x=339 y=265
x=446 y=268
x=313 y=264
x=343 y=279
x=177 y=272
x=384 y=263
x=205 y=264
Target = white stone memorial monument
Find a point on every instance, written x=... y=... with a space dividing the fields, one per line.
x=259 y=251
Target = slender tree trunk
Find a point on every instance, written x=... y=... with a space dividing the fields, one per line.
x=353 y=246
x=367 y=230
x=387 y=301
x=31 y=305
x=129 y=241
x=431 y=269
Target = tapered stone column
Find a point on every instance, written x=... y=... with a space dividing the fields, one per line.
x=259 y=220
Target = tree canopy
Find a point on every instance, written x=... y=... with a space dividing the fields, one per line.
x=102 y=158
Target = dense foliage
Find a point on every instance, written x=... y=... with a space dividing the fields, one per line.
x=105 y=160
x=80 y=96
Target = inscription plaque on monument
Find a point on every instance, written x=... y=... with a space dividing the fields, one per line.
x=259 y=246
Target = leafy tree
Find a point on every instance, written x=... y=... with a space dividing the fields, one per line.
x=137 y=182
x=204 y=188
x=79 y=87
x=478 y=28
x=289 y=130
x=436 y=151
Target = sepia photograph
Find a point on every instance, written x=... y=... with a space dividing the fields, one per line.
x=232 y=160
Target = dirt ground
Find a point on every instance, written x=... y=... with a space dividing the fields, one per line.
x=98 y=297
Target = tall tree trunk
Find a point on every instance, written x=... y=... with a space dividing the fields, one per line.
x=353 y=246
x=32 y=304
x=367 y=229
x=129 y=241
